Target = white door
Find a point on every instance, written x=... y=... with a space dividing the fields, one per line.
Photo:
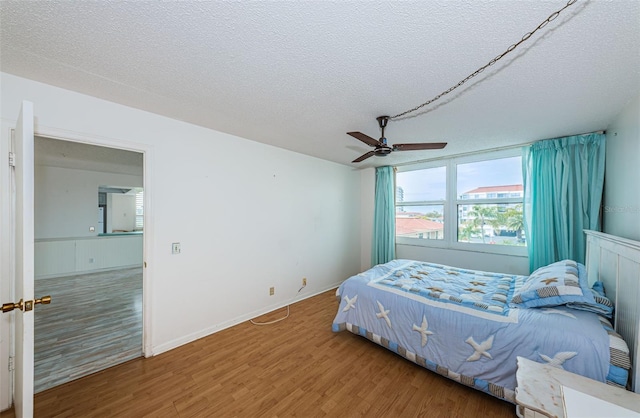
x=24 y=261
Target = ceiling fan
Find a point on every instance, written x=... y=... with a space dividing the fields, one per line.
x=381 y=147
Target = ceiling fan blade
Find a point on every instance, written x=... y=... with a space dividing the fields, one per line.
x=363 y=157
x=365 y=138
x=415 y=147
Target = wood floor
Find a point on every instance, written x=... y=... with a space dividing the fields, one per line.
x=296 y=367
x=93 y=322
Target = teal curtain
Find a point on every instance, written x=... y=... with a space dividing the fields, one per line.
x=384 y=218
x=563 y=181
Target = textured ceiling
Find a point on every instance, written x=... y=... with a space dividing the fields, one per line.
x=299 y=75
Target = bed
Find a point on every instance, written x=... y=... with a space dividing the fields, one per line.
x=471 y=325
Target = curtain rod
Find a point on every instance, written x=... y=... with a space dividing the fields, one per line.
x=602 y=132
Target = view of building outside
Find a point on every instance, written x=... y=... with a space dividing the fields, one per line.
x=496 y=215
x=488 y=198
x=492 y=223
x=426 y=222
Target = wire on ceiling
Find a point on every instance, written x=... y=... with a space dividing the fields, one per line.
x=524 y=38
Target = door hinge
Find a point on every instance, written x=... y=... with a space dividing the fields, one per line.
x=11 y=364
x=12 y=159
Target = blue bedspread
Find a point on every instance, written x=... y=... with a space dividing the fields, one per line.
x=458 y=322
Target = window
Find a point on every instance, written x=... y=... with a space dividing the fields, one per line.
x=472 y=202
x=120 y=209
x=420 y=197
x=496 y=216
x=139 y=210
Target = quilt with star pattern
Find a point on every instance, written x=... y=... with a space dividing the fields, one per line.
x=459 y=323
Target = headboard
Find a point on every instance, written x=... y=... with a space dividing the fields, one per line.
x=616 y=262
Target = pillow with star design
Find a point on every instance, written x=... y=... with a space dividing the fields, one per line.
x=560 y=283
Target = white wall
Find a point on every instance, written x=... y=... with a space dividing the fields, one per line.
x=466 y=259
x=68 y=256
x=248 y=216
x=621 y=203
x=66 y=200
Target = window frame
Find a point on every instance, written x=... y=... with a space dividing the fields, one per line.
x=453 y=200
x=425 y=166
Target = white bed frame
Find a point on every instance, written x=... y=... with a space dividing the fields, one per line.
x=616 y=262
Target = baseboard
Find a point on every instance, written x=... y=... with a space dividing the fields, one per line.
x=170 y=345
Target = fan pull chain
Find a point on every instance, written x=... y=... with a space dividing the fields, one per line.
x=526 y=36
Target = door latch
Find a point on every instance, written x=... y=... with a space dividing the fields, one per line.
x=25 y=305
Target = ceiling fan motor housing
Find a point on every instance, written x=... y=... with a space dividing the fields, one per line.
x=382 y=151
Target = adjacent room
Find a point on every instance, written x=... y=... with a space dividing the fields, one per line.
x=97 y=269
x=362 y=208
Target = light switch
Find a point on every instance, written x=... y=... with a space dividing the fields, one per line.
x=175 y=248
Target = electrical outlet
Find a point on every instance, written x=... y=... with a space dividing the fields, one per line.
x=304 y=281
x=272 y=291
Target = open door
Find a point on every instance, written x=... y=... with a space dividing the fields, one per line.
x=23 y=219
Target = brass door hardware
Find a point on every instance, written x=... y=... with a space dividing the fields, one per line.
x=8 y=307
x=45 y=300
x=25 y=305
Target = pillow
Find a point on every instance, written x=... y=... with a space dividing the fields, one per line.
x=557 y=284
x=598 y=287
x=601 y=304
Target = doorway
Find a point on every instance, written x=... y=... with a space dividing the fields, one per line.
x=93 y=271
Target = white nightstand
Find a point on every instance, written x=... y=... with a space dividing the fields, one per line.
x=539 y=391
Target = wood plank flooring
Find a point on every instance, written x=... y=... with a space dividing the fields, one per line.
x=296 y=367
x=93 y=322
